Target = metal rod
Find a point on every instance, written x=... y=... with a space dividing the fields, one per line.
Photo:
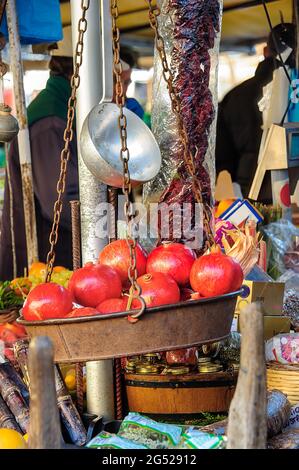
x=16 y=68
x=112 y=199
x=76 y=234
x=76 y=242
x=99 y=375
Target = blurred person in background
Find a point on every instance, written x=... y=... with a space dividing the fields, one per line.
x=128 y=62
x=239 y=124
x=47 y=117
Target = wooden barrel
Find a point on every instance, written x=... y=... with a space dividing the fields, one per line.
x=182 y=394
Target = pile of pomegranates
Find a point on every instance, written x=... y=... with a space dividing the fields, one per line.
x=169 y=274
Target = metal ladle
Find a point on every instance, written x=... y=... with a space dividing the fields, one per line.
x=100 y=136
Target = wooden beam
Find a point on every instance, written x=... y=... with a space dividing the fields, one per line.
x=44 y=431
x=247 y=419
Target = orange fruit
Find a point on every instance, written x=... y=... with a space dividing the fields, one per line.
x=223 y=206
x=37 y=269
x=59 y=269
x=11 y=439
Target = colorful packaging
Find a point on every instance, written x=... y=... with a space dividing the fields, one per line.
x=105 y=440
x=195 y=439
x=148 y=432
x=283 y=349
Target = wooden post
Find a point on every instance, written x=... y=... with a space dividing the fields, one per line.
x=16 y=67
x=247 y=420
x=44 y=430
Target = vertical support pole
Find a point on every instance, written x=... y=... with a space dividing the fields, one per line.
x=76 y=249
x=44 y=431
x=247 y=419
x=113 y=206
x=99 y=374
x=16 y=68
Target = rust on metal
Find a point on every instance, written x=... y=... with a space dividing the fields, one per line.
x=76 y=234
x=118 y=388
x=112 y=199
x=164 y=328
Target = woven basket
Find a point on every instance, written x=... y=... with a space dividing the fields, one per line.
x=284 y=377
x=9 y=315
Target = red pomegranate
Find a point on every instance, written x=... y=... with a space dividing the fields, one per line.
x=94 y=283
x=174 y=259
x=216 y=274
x=117 y=255
x=82 y=312
x=157 y=289
x=47 y=300
x=113 y=305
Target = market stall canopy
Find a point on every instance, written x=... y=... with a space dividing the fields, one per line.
x=244 y=22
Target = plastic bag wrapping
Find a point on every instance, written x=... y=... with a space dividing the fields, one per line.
x=191 y=31
x=278 y=412
x=291 y=303
x=284 y=250
x=283 y=348
x=230 y=348
x=149 y=433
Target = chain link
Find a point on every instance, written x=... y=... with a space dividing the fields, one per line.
x=67 y=137
x=124 y=154
x=154 y=12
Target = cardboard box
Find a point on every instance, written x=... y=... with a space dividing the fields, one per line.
x=269 y=294
x=273 y=325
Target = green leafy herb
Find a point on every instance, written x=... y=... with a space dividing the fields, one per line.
x=8 y=297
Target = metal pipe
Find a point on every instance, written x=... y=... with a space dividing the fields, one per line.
x=16 y=68
x=99 y=375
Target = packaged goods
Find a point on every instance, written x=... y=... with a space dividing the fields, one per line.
x=195 y=439
x=283 y=348
x=191 y=32
x=106 y=440
x=278 y=412
x=148 y=432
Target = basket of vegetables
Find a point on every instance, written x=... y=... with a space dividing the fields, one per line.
x=189 y=301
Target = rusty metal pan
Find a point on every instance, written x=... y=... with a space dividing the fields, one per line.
x=162 y=328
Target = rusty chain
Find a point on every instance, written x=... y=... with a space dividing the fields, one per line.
x=154 y=12
x=124 y=154
x=67 y=137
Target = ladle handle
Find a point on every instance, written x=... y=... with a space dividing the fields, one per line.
x=107 y=56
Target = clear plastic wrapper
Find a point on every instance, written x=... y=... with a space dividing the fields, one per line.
x=291 y=303
x=282 y=246
x=283 y=348
x=278 y=412
x=191 y=32
x=230 y=348
x=105 y=440
x=195 y=439
x=150 y=433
